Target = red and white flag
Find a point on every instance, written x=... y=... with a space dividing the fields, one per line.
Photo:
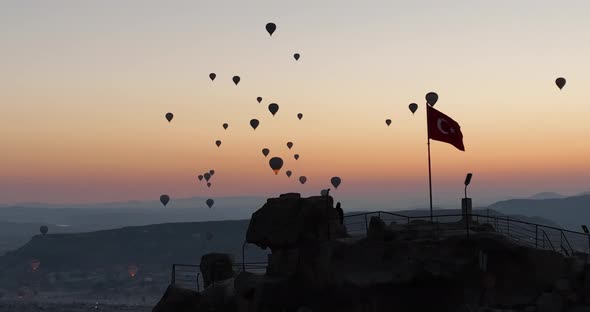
x=443 y=128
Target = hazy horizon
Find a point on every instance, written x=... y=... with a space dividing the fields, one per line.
x=85 y=87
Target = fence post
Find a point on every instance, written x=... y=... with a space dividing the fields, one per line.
x=437 y=228
x=173 y=274
x=536 y=235
x=366 y=225
x=198 y=283
x=243 y=257
x=508 y=225
x=467 y=217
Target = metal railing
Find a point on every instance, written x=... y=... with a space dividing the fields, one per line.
x=525 y=233
x=188 y=276
x=529 y=234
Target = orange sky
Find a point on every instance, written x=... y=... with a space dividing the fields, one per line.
x=84 y=90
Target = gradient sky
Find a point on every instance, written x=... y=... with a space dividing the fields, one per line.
x=84 y=87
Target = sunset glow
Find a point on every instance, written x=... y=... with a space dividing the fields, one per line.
x=85 y=86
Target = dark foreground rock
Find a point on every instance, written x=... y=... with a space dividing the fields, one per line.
x=395 y=268
x=178 y=300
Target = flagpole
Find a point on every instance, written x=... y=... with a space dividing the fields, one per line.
x=429 y=167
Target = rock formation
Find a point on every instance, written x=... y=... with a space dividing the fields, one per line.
x=315 y=266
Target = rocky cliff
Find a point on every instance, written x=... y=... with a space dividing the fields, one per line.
x=315 y=267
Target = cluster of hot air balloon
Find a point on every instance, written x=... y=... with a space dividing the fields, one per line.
x=276 y=163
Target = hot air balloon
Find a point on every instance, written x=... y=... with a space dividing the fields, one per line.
x=218 y=143
x=209 y=236
x=210 y=202
x=132 y=270
x=259 y=99
x=302 y=179
x=225 y=126
x=35 y=264
x=270 y=28
x=212 y=76
x=388 y=122
x=296 y=56
x=413 y=107
x=254 y=123
x=560 y=82
x=209 y=184
x=296 y=156
x=276 y=163
x=265 y=151
x=207 y=176
x=236 y=79
x=289 y=144
x=169 y=116
x=211 y=172
x=43 y=229
x=431 y=98
x=300 y=115
x=335 y=182
x=289 y=173
x=273 y=108
x=164 y=199
x=200 y=177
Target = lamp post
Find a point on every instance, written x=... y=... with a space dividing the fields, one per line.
x=467 y=181
x=466 y=204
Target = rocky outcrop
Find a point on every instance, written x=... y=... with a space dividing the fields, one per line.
x=178 y=300
x=289 y=220
x=416 y=266
x=216 y=267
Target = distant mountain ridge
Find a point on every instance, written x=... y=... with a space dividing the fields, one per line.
x=547 y=195
x=569 y=212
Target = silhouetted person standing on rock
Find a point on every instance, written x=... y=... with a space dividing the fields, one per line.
x=340 y=213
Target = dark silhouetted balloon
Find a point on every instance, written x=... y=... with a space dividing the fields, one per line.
x=236 y=79
x=273 y=108
x=335 y=181
x=212 y=76
x=431 y=98
x=259 y=99
x=276 y=163
x=254 y=123
x=289 y=173
x=388 y=122
x=302 y=179
x=225 y=126
x=270 y=28
x=560 y=82
x=169 y=116
x=209 y=236
x=210 y=202
x=200 y=177
x=296 y=156
x=164 y=199
x=43 y=229
x=211 y=172
x=296 y=56
x=300 y=115
x=208 y=184
x=218 y=143
x=413 y=107
x=265 y=151
x=289 y=144
x=207 y=176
